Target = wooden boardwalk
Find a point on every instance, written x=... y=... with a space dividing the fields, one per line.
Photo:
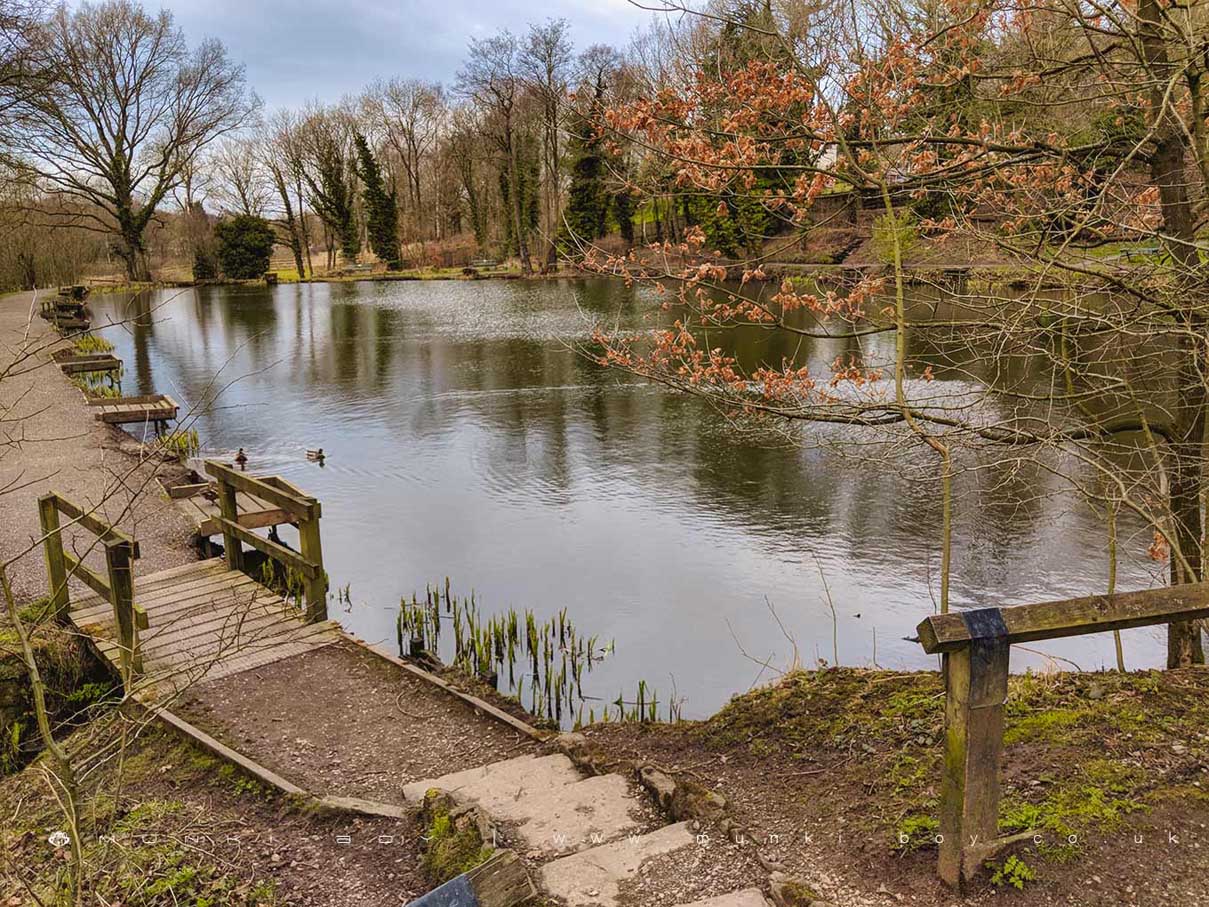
x=204 y=621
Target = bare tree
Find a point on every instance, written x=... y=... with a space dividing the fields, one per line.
x=546 y=58
x=492 y=78
x=325 y=137
x=129 y=107
x=411 y=113
x=281 y=157
x=240 y=182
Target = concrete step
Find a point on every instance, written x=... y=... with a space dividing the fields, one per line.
x=500 y=783
x=553 y=807
x=591 y=878
x=573 y=817
x=748 y=897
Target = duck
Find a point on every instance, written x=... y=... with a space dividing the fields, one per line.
x=317 y=455
x=241 y=459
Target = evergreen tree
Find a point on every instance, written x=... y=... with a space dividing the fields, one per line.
x=381 y=208
x=587 y=201
x=245 y=244
x=528 y=175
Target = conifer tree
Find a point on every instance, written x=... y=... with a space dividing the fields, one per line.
x=381 y=208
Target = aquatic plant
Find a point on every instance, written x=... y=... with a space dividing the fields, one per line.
x=90 y=344
x=518 y=654
x=181 y=443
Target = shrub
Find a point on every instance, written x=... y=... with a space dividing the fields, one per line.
x=245 y=244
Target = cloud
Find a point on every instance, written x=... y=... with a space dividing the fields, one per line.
x=304 y=49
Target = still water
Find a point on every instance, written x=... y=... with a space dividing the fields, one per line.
x=466 y=438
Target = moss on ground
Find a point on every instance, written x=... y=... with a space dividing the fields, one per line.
x=151 y=853
x=1082 y=751
x=453 y=842
x=74 y=682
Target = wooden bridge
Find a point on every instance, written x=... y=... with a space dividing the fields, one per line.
x=201 y=620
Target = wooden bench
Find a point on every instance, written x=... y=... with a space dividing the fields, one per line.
x=974 y=646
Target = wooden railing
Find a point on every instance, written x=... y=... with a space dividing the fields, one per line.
x=975 y=646
x=304 y=512
x=116 y=587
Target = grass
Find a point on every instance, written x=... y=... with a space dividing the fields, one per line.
x=1083 y=752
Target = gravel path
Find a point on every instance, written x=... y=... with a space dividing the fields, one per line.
x=49 y=441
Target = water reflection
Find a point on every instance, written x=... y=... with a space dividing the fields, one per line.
x=465 y=438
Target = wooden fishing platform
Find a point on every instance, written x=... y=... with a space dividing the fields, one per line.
x=158 y=409
x=199 y=503
x=198 y=621
x=73 y=363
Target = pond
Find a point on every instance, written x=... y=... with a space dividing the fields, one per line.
x=466 y=438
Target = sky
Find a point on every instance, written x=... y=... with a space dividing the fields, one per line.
x=298 y=50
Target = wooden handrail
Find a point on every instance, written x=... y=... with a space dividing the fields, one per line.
x=305 y=512
x=302 y=507
x=286 y=556
x=1071 y=617
x=117 y=586
x=975 y=646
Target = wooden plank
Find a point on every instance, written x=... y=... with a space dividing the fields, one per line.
x=305 y=508
x=207 y=525
x=52 y=549
x=500 y=881
x=233 y=655
x=278 y=653
x=177 y=492
x=272 y=549
x=169 y=578
x=167 y=613
x=200 y=737
x=125 y=401
x=252 y=625
x=199 y=592
x=1072 y=617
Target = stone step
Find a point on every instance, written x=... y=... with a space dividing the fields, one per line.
x=592 y=878
x=553 y=807
x=574 y=817
x=748 y=897
x=500 y=782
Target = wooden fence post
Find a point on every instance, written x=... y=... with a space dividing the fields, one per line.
x=228 y=507
x=118 y=558
x=312 y=550
x=52 y=547
x=976 y=677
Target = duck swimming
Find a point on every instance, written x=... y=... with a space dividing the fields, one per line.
x=241 y=459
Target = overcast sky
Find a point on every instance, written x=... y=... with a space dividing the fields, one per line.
x=296 y=50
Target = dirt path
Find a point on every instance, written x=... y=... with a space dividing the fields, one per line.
x=49 y=441
x=342 y=721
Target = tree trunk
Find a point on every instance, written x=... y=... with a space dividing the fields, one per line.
x=1168 y=173
x=134 y=256
x=514 y=193
x=290 y=222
